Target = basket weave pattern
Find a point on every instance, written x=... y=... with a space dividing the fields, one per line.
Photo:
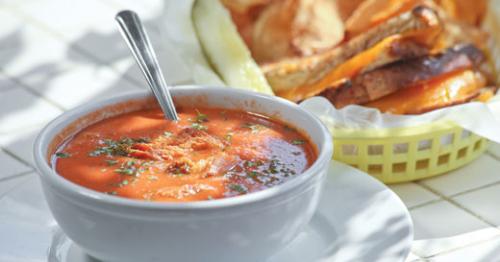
x=407 y=154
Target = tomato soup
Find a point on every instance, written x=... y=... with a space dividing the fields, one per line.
x=208 y=154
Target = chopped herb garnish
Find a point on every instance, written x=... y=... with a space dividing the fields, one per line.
x=210 y=198
x=238 y=188
x=228 y=137
x=198 y=126
x=252 y=173
x=167 y=134
x=273 y=166
x=111 y=162
x=254 y=127
x=253 y=163
x=117 y=147
x=113 y=193
x=124 y=182
x=298 y=142
x=62 y=155
x=200 y=118
x=126 y=171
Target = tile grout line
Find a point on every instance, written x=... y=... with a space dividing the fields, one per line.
x=20 y=176
x=475 y=189
x=414 y=254
x=430 y=202
x=60 y=36
x=20 y=129
x=6 y=151
x=47 y=29
x=456 y=204
x=16 y=176
x=30 y=90
x=493 y=155
x=466 y=246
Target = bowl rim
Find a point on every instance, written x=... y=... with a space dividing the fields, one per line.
x=47 y=134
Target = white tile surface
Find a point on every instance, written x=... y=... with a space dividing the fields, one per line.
x=482 y=252
x=25 y=49
x=442 y=219
x=413 y=194
x=6 y=83
x=20 y=143
x=143 y=8
x=57 y=72
x=81 y=84
x=10 y=166
x=53 y=47
x=70 y=18
x=483 y=171
x=39 y=55
x=495 y=150
x=20 y=109
x=9 y=184
x=484 y=202
x=412 y=258
x=432 y=246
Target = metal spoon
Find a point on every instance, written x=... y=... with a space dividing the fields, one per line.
x=138 y=41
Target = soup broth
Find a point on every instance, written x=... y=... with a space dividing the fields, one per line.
x=209 y=153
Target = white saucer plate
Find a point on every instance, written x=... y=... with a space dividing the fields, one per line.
x=359 y=219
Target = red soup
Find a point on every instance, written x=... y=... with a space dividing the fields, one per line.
x=209 y=154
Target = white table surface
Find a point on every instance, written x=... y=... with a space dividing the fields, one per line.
x=57 y=54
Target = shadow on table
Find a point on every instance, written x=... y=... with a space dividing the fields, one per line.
x=94 y=50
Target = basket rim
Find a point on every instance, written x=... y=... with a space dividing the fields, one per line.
x=425 y=129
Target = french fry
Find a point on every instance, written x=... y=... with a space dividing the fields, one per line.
x=244 y=13
x=290 y=28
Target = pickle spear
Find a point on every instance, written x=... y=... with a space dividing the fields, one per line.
x=224 y=48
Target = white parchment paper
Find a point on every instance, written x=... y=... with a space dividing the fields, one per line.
x=178 y=31
x=480 y=118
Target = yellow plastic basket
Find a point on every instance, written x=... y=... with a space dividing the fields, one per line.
x=410 y=153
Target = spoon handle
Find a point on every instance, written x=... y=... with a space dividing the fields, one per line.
x=138 y=41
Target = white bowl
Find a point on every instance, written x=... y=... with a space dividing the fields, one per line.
x=118 y=229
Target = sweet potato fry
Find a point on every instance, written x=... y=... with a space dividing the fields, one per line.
x=486 y=93
x=243 y=6
x=399 y=75
x=347 y=7
x=373 y=12
x=471 y=12
x=453 y=89
x=296 y=79
x=456 y=32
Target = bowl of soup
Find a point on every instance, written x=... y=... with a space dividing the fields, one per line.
x=235 y=179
